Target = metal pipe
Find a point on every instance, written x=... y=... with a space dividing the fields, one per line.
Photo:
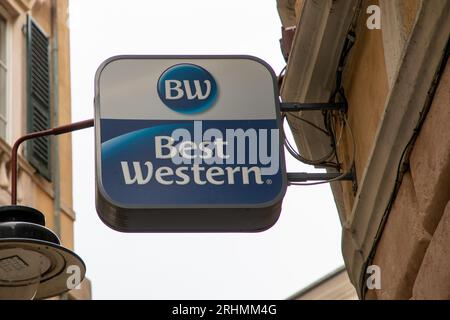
x=306 y=176
x=54 y=131
x=294 y=106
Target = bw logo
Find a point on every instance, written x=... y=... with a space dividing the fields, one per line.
x=187 y=88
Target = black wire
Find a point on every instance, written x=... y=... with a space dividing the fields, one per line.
x=310 y=123
x=328 y=116
x=348 y=45
x=297 y=155
x=280 y=79
x=339 y=89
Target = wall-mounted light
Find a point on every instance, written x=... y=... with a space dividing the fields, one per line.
x=33 y=264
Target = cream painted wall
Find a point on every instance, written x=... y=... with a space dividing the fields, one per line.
x=33 y=189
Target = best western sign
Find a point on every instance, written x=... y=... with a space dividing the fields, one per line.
x=188 y=144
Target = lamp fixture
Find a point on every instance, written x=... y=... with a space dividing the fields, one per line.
x=33 y=263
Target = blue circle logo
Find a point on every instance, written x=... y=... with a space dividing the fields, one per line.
x=187 y=88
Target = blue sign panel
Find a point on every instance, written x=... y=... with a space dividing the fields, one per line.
x=188 y=144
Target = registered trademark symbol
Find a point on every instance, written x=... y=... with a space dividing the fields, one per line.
x=269 y=181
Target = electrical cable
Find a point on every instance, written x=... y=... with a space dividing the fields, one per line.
x=329 y=117
x=297 y=155
x=310 y=123
x=281 y=72
x=280 y=79
x=347 y=125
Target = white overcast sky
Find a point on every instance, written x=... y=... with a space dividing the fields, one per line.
x=304 y=244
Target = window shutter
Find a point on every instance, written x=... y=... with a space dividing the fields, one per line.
x=38 y=150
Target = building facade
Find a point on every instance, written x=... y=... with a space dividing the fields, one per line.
x=34 y=96
x=334 y=286
x=388 y=61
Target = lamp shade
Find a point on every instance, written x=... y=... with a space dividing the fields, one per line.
x=33 y=264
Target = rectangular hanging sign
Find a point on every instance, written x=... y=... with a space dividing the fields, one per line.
x=188 y=144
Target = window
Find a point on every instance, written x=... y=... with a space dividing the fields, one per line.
x=3 y=78
x=38 y=67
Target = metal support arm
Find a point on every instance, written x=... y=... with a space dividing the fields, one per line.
x=286 y=107
x=54 y=131
x=306 y=176
x=294 y=106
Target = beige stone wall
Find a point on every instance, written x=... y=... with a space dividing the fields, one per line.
x=414 y=251
x=33 y=190
x=289 y=11
x=433 y=278
x=412 y=243
x=366 y=86
x=402 y=245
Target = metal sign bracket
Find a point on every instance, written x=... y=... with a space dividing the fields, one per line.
x=295 y=106
x=300 y=177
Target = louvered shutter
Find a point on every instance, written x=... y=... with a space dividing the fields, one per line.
x=38 y=150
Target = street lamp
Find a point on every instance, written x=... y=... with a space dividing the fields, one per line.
x=33 y=264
